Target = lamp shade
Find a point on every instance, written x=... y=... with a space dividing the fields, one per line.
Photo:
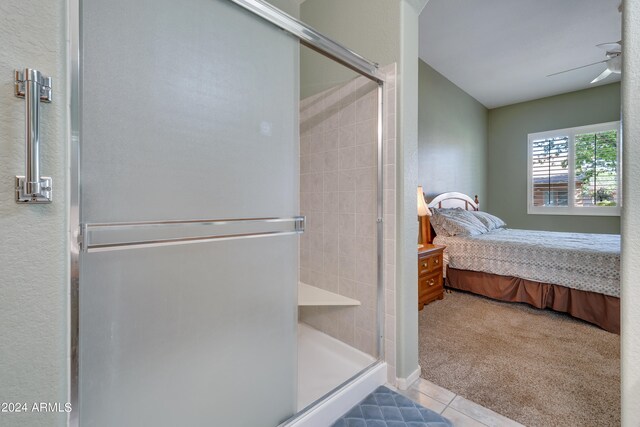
x=423 y=209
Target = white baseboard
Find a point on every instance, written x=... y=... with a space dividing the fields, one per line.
x=327 y=412
x=405 y=383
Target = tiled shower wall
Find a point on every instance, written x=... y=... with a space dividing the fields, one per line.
x=338 y=182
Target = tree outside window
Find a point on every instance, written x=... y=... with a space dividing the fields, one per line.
x=596 y=163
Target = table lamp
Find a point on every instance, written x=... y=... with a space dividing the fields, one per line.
x=423 y=213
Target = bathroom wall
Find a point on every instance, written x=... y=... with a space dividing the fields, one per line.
x=34 y=278
x=390 y=198
x=630 y=268
x=292 y=7
x=370 y=27
x=338 y=183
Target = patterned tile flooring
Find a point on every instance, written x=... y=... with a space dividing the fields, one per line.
x=460 y=411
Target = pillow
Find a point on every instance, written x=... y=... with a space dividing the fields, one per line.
x=492 y=222
x=456 y=222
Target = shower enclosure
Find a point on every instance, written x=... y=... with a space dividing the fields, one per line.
x=338 y=330
x=189 y=277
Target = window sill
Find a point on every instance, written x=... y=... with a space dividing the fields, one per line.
x=590 y=211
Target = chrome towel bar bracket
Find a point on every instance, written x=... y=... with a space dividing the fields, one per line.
x=31 y=85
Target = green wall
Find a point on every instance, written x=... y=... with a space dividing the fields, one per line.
x=292 y=7
x=406 y=184
x=452 y=138
x=371 y=28
x=508 y=129
x=34 y=307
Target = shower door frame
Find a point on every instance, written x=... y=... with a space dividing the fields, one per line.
x=308 y=37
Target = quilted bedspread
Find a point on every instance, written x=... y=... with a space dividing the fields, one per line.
x=588 y=262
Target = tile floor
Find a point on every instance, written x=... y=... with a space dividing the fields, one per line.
x=460 y=411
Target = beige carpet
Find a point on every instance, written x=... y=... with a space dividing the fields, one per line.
x=537 y=367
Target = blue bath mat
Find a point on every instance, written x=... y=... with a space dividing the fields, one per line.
x=386 y=408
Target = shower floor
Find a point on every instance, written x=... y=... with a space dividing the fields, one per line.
x=324 y=363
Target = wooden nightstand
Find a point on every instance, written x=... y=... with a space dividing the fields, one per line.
x=430 y=274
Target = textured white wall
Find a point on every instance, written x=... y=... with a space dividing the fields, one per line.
x=631 y=216
x=33 y=248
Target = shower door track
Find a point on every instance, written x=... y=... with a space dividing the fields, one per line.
x=312 y=38
x=308 y=37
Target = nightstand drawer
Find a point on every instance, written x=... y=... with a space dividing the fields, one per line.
x=429 y=264
x=430 y=282
x=429 y=274
x=430 y=289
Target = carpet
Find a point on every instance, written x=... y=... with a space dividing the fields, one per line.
x=537 y=367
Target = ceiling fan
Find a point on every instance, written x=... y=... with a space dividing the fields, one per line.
x=613 y=61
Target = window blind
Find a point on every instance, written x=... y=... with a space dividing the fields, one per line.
x=550 y=170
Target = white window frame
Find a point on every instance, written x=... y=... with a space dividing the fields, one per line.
x=572 y=209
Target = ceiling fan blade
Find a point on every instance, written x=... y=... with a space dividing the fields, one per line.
x=602 y=76
x=611 y=47
x=577 y=68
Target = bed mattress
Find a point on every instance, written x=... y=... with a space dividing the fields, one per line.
x=588 y=262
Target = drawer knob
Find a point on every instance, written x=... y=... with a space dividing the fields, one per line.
x=437 y=261
x=432 y=282
x=424 y=264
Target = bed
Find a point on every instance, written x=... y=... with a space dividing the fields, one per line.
x=575 y=273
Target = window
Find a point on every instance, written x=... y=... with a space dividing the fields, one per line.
x=575 y=171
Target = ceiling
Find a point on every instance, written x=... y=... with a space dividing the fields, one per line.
x=500 y=51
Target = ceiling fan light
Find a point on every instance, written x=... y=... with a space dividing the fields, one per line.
x=615 y=64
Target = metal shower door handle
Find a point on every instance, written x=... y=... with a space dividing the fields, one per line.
x=31 y=85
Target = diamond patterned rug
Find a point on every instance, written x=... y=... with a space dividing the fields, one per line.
x=386 y=408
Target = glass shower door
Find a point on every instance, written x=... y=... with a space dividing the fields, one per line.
x=187 y=295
